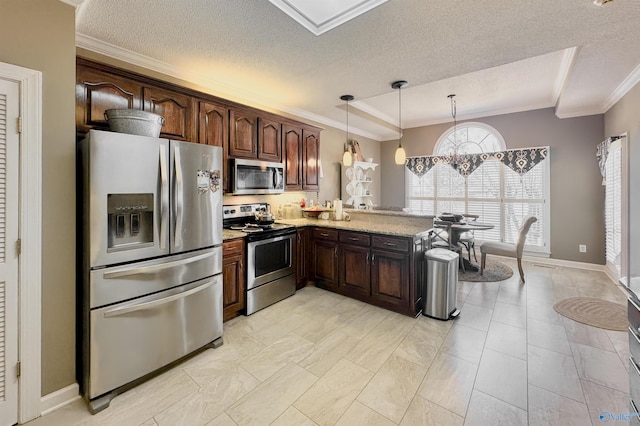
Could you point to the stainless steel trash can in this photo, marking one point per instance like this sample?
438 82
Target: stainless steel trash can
441 284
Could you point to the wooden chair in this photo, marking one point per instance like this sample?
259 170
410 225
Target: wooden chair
506 249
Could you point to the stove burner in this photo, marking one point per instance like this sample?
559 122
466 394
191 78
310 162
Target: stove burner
249 227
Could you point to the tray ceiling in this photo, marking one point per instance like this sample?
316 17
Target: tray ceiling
498 56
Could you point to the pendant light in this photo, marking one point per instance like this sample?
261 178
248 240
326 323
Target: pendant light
347 157
455 159
401 155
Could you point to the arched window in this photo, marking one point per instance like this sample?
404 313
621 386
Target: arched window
493 191
470 138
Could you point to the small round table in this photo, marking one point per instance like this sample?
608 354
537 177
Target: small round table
457 229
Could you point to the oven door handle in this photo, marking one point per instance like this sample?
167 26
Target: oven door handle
125 272
154 303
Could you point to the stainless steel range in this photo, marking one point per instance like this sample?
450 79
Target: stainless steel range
270 254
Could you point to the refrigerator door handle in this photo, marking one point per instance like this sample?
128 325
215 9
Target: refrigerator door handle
154 303
164 198
124 272
179 196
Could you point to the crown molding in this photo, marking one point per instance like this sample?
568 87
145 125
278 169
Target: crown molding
627 84
566 67
579 112
296 13
231 92
74 3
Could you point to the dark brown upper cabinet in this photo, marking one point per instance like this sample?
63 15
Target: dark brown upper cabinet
301 146
292 148
98 91
311 160
214 124
177 109
269 141
243 134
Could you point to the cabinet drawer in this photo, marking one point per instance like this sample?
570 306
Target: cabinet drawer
232 247
633 313
634 380
390 243
355 238
634 345
325 234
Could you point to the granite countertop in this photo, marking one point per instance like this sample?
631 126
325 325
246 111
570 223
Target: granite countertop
398 213
404 230
228 234
398 223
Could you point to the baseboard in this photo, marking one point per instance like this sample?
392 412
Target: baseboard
547 261
59 399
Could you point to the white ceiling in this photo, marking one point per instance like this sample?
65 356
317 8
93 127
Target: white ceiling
497 56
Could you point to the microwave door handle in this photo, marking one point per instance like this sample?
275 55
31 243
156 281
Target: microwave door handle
178 196
277 179
154 303
164 198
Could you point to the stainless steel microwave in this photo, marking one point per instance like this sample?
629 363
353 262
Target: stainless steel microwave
256 177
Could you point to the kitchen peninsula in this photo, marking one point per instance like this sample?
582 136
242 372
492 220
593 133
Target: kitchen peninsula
376 257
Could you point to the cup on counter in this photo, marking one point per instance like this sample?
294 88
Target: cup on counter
345 216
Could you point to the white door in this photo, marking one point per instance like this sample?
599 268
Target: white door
9 161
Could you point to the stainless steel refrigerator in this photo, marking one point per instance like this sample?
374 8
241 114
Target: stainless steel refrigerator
150 287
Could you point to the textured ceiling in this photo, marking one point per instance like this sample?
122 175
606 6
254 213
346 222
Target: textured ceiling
497 55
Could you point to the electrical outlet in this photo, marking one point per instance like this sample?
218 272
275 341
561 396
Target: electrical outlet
583 248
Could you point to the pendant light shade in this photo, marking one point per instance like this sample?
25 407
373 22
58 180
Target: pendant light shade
401 155
347 157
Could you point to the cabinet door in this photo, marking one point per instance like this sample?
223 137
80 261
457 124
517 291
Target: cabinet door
311 160
233 278
177 109
243 134
292 147
98 91
390 279
269 141
302 269
325 256
213 129
355 274
214 124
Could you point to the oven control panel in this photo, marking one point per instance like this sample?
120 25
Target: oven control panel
243 210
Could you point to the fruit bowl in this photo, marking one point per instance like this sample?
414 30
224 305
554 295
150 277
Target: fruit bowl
314 211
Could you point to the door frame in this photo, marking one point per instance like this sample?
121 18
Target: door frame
30 228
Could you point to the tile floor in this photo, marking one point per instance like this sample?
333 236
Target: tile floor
320 358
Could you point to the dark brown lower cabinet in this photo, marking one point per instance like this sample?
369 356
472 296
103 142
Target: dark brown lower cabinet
233 278
302 259
390 279
325 258
377 269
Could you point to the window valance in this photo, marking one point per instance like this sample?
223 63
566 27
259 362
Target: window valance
518 160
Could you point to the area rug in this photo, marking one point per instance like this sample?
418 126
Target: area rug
595 312
493 271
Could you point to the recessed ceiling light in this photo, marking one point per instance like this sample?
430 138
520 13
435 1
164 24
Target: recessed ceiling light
601 2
